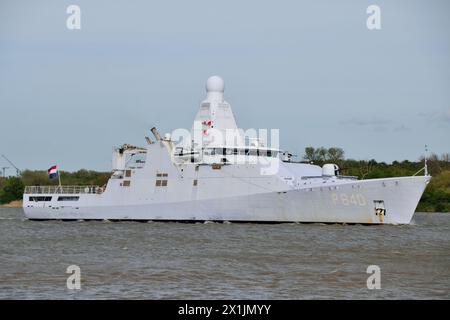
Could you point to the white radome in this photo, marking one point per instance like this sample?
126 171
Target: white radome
215 84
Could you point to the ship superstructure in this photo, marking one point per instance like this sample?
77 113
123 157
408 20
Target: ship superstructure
215 172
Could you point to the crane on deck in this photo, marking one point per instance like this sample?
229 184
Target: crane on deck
4 171
10 162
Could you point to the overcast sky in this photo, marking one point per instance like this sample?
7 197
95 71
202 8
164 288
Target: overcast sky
310 68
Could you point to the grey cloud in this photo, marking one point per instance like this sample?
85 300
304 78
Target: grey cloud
401 128
435 115
365 121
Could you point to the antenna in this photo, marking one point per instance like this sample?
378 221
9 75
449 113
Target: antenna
425 160
149 141
156 133
17 169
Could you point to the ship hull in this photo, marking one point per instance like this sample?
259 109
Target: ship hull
377 201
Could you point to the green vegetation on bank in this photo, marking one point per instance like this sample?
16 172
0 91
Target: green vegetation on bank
436 197
437 194
11 189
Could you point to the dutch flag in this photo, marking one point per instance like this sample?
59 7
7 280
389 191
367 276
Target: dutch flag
52 172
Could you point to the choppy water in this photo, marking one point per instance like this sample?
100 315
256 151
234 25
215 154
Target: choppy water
231 261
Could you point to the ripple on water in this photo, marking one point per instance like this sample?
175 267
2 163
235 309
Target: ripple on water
211 260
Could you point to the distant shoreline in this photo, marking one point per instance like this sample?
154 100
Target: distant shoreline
12 204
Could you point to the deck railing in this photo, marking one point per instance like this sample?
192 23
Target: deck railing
328 177
62 189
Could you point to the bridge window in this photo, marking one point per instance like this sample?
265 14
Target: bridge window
242 152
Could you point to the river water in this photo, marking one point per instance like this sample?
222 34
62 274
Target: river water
156 260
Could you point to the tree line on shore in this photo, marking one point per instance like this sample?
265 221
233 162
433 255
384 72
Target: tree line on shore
436 196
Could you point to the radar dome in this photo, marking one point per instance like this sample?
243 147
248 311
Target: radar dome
215 84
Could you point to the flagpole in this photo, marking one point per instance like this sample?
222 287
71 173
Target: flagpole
59 179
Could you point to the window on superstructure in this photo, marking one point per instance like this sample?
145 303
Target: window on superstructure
161 183
161 180
127 173
38 199
68 198
126 183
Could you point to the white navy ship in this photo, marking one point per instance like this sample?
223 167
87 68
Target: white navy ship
207 177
